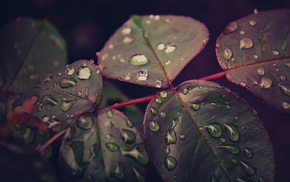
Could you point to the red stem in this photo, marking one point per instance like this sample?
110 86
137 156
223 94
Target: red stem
214 76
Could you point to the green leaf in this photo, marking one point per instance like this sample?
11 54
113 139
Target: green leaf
255 50
72 90
151 50
29 50
103 148
213 136
112 95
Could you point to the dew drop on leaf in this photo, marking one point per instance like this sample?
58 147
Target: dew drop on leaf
45 118
231 28
67 103
233 149
275 52
169 48
260 71
154 111
83 73
284 45
170 137
162 114
154 126
138 59
158 83
284 89
138 153
128 39
112 147
214 129
232 131
128 76
128 136
250 170
126 31
119 171
246 43
227 53
252 22
195 106
265 83
142 75
110 114
158 100
248 152
163 94
69 70
185 91
182 137
161 46
67 82
170 163
285 105
129 123
47 100
85 122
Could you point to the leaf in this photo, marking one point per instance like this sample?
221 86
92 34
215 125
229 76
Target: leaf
103 148
255 51
29 50
151 50
216 137
72 90
113 95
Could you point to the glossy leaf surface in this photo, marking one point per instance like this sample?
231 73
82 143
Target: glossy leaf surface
146 47
29 50
216 137
255 50
103 148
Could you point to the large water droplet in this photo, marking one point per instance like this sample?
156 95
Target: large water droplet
285 105
170 137
154 126
169 48
69 70
248 152
227 53
250 170
284 89
163 94
214 129
260 71
85 122
128 136
67 82
112 147
119 171
83 73
232 131
154 111
47 100
67 103
138 59
139 176
142 75
230 148
195 106
246 43
170 163
265 83
138 153
231 28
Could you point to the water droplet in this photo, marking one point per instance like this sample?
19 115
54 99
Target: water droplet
154 126
284 45
83 73
213 104
195 106
67 82
231 28
170 163
182 137
222 140
67 103
112 147
69 70
243 84
169 48
170 137
260 71
126 31
285 105
158 100
255 56
110 114
142 75
130 124
217 45
108 124
108 136
246 43
138 175
45 118
275 52
167 62
250 170
185 91
236 118
248 152
242 32
128 39
128 76
284 89
232 131
214 129
233 149
128 136
138 153
265 83
47 100
154 111
148 22
33 77
162 114
163 94
252 22
85 122
161 47
158 83
227 53
79 93
261 180
87 92
156 17
282 78
256 11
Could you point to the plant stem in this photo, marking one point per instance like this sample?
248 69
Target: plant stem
214 76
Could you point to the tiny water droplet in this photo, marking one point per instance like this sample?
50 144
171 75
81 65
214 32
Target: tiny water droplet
285 105
161 47
170 137
163 94
243 84
33 77
234 161
195 106
138 153
282 78
174 176
214 129
158 83
227 53
167 62
85 122
158 100
246 43
284 45
108 136
250 170
236 118
154 111
69 70
233 149
142 75
260 71
79 93
169 48
87 92
128 136
170 163
255 56
265 83
129 123
83 73
242 32
182 137
128 76
154 126
45 118
126 31
128 39
111 46
231 28
232 131
112 147
248 152
110 114
162 114
213 104
222 140
252 22
275 52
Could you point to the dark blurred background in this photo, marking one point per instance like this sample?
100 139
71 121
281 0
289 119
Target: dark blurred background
87 24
